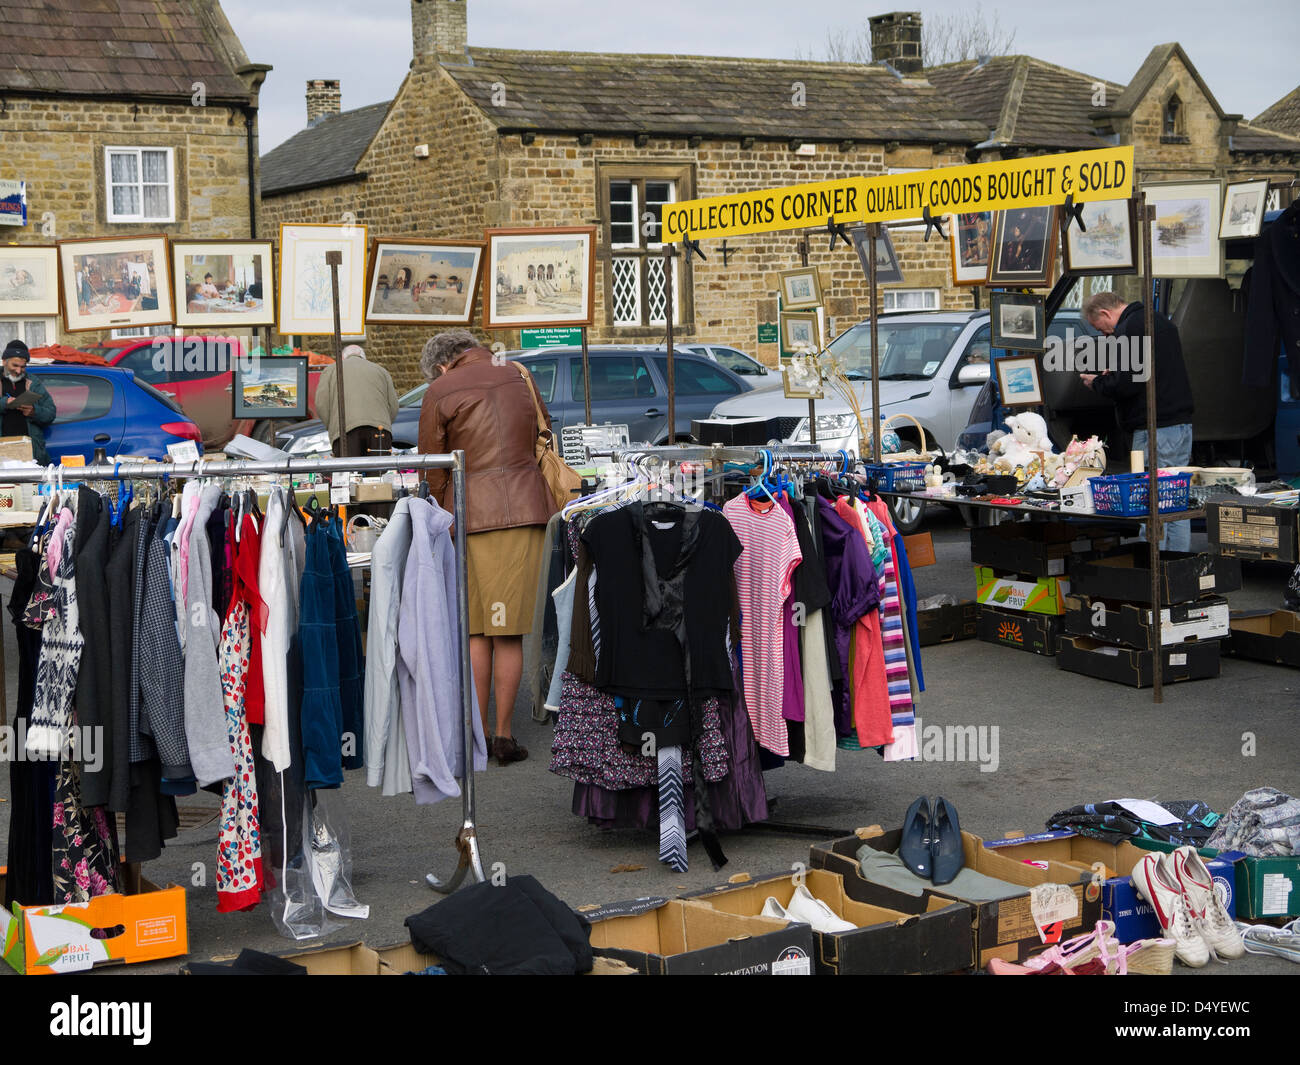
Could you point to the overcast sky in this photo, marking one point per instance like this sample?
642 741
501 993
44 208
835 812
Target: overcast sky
1247 59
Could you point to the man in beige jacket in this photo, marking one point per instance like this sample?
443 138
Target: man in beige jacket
371 402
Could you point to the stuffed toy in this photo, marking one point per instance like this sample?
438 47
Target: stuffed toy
1021 449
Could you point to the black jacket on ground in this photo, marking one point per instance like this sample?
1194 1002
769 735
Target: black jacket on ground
1173 389
1273 310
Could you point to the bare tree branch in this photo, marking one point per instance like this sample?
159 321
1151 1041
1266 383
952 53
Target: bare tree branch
945 39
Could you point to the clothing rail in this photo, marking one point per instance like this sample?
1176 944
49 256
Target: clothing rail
470 862
724 453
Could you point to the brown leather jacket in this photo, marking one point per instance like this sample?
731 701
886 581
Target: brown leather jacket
487 410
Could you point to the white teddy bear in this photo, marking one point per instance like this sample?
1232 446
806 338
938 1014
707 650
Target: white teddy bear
1028 437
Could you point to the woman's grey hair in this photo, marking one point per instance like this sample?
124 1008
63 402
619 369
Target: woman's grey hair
440 350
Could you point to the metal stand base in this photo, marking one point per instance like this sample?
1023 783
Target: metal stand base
470 863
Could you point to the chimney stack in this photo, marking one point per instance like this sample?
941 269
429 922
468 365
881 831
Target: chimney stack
324 98
896 40
438 31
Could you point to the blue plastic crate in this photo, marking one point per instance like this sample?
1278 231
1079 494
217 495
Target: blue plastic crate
1127 493
897 476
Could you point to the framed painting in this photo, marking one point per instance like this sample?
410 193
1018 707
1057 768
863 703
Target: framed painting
1017 321
1024 247
423 282
1243 209
305 303
119 283
222 283
971 237
29 281
1185 231
799 332
888 272
801 289
539 277
1110 243
802 379
1019 381
274 387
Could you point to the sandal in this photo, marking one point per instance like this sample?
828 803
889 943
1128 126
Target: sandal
506 750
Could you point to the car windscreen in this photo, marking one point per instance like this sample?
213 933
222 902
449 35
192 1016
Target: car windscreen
414 397
908 351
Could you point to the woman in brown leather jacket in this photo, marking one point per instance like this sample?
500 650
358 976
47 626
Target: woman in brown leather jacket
485 407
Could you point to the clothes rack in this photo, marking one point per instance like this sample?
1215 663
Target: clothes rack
470 861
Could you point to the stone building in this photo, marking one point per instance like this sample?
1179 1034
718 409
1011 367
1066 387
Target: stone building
125 118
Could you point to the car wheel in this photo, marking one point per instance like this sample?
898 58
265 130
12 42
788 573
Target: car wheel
908 514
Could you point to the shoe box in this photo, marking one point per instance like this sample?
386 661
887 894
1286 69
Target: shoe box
1130 624
1253 530
1004 928
1265 636
1038 549
1013 628
886 942
943 624
1125 574
1198 660
1263 887
1109 867
671 937
999 588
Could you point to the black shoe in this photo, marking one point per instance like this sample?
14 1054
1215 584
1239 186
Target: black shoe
914 847
947 856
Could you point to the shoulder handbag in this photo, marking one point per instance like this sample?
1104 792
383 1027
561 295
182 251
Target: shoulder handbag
563 481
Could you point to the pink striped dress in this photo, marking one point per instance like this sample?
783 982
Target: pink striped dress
894 639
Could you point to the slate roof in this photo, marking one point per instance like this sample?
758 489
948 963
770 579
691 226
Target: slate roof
670 95
1251 138
323 154
1283 116
136 48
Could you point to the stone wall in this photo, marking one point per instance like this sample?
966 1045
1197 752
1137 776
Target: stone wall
1201 152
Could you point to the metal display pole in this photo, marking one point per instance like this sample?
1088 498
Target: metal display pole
586 379
334 259
668 319
1146 215
873 234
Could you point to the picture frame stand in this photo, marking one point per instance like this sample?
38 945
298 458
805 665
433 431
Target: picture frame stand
334 259
586 376
1146 214
668 323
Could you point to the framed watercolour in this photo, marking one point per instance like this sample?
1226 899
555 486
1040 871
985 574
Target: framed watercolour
1110 245
273 387
799 332
1243 209
802 379
1019 381
1024 247
305 302
971 237
222 283
29 281
423 282
801 289
120 283
539 277
1017 321
888 272
1184 234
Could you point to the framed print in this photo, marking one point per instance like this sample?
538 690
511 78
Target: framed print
1243 209
271 388
888 272
222 283
305 303
120 283
971 237
1024 247
423 282
801 289
1184 235
1019 381
29 281
802 379
539 277
1017 321
1110 245
799 332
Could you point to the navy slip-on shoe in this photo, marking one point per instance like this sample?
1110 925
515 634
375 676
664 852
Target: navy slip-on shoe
914 847
947 857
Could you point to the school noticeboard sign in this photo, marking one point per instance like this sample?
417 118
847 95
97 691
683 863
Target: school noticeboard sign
1034 181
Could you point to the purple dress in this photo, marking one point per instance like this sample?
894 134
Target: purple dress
854 592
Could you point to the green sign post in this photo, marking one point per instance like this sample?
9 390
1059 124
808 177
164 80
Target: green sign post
768 333
549 338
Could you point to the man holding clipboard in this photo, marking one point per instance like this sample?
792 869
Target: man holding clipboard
28 408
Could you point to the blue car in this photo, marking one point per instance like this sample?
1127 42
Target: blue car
104 407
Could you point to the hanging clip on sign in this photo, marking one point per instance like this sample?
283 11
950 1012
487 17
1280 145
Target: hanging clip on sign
837 229
692 247
1034 181
933 223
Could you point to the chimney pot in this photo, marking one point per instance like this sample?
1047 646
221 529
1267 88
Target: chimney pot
896 40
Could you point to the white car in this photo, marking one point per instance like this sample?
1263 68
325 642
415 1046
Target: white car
737 362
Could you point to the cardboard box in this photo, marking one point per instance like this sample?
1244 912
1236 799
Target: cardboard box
732 432
1265 636
1110 866
146 924
1037 549
1043 596
1126 665
1263 887
1004 928
16 448
920 550
886 941
1036 633
373 490
943 624
1125 575
670 937
1253 530
1114 622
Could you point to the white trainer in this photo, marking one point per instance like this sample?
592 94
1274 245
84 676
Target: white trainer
1204 904
806 907
1166 897
772 908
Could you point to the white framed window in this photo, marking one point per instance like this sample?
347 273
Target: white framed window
34 332
635 202
910 299
140 184
145 331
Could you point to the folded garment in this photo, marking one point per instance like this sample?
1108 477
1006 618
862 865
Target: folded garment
249 963
1264 823
1110 822
888 870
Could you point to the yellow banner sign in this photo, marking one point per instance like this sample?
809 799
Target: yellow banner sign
1035 181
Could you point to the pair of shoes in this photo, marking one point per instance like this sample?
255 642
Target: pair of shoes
1091 967
505 750
1096 953
931 844
1281 942
1181 891
806 908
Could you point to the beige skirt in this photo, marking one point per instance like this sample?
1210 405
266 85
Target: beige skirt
504 566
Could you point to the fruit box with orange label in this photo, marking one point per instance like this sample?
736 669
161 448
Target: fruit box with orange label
145 924
1046 595
1035 633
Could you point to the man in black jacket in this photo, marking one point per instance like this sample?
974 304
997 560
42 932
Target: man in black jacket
1126 386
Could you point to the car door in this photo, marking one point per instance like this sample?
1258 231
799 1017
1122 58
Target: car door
961 397
623 392
90 412
699 385
545 371
740 364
